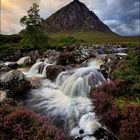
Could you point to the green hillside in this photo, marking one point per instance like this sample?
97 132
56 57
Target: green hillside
90 38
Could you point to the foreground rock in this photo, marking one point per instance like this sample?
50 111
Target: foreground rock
16 83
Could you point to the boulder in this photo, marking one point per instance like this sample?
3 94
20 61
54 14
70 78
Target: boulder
66 58
36 82
24 60
16 82
52 71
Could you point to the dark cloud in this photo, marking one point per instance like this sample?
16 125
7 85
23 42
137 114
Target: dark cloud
122 16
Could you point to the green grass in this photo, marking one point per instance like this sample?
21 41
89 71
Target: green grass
11 43
92 37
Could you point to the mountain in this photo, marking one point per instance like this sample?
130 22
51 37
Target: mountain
74 17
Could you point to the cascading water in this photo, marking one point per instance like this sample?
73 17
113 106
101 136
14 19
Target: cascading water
66 101
80 82
35 69
44 71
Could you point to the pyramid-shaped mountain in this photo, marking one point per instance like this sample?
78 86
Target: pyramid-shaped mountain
74 17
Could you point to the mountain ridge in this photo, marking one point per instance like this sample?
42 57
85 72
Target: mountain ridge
74 17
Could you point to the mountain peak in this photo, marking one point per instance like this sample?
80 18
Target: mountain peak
74 17
75 0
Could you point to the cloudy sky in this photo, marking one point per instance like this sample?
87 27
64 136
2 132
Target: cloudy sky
122 16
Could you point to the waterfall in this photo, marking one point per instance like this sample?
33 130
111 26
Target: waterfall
80 82
35 67
44 71
34 70
66 101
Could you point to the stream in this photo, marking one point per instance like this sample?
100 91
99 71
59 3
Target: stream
66 101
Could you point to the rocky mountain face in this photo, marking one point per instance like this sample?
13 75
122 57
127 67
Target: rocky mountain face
74 17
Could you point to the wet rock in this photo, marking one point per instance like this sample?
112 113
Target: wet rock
36 83
52 71
16 82
66 58
104 134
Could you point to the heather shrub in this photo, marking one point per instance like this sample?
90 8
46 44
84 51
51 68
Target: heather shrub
130 124
115 88
101 101
111 118
107 87
125 124
104 106
20 123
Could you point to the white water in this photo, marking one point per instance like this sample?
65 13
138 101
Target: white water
44 71
33 72
80 82
66 101
122 54
35 67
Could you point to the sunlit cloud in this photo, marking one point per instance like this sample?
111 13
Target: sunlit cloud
11 12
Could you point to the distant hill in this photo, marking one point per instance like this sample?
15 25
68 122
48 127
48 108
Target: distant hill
74 17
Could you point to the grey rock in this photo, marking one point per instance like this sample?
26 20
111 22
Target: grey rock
16 82
53 71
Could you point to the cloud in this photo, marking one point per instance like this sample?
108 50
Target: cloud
11 12
122 16
126 29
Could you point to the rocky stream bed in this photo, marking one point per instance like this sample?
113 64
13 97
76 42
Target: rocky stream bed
57 83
